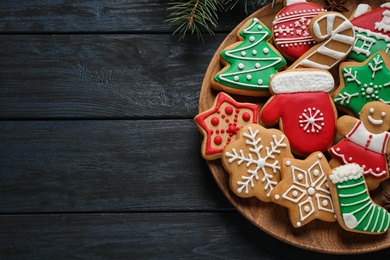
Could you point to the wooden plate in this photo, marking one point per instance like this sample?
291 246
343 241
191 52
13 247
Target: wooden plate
269 217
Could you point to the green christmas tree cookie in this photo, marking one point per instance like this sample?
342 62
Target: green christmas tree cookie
249 63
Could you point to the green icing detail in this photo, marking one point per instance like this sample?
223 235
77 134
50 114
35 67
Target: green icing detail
364 83
359 212
367 43
252 62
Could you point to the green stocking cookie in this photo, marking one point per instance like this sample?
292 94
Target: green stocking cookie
354 208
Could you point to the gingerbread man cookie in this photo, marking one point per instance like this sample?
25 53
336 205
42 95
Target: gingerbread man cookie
253 161
365 143
304 191
220 124
302 106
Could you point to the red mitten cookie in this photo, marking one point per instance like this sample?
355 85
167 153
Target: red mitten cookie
220 124
304 109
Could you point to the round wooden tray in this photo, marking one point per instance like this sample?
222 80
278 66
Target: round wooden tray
273 219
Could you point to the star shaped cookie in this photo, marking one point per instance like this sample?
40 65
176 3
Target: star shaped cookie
220 124
364 82
304 190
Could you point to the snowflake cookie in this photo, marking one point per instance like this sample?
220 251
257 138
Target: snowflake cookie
304 190
220 124
361 83
302 106
253 161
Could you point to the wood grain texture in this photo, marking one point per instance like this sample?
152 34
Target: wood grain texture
317 236
101 76
88 16
104 166
208 235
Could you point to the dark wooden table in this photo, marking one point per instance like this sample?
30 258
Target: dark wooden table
99 153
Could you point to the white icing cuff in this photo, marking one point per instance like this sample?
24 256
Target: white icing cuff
386 5
295 81
346 172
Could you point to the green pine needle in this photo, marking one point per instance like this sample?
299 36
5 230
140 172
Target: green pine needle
196 17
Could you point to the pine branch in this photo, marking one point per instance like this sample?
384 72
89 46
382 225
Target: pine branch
196 17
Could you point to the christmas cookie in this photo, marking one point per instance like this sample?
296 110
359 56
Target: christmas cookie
355 210
365 143
372 29
291 28
302 106
220 124
249 63
335 35
364 82
253 161
304 190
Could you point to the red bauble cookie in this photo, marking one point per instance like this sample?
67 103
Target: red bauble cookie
290 28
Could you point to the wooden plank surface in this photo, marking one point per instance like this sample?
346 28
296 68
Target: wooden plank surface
101 76
99 153
209 235
56 16
104 166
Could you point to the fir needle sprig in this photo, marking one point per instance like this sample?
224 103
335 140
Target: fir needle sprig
196 17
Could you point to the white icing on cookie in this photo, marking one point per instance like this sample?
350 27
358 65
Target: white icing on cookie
346 172
302 81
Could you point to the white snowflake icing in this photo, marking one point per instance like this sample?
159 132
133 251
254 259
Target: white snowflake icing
311 120
263 164
309 190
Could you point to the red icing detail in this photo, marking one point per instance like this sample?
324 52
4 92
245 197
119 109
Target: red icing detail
205 116
232 129
367 21
229 110
246 117
291 28
215 121
302 142
218 140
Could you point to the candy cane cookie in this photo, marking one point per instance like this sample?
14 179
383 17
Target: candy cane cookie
336 37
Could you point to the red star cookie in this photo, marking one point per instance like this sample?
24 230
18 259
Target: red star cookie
220 124
304 190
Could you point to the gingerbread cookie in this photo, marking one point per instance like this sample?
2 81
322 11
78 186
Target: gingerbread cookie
302 106
372 29
304 191
355 210
291 28
220 124
253 161
335 35
364 82
249 63
365 143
